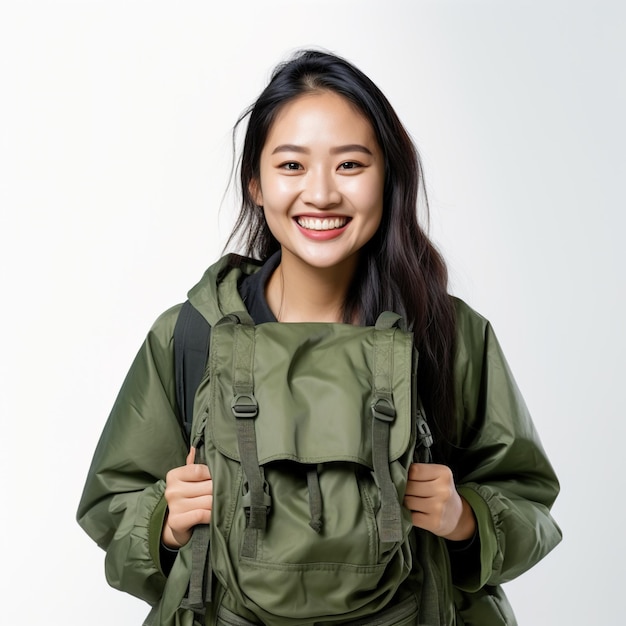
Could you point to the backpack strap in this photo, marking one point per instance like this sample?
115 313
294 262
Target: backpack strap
256 500
199 591
191 348
384 414
423 449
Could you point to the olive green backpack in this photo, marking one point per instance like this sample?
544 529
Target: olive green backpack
308 431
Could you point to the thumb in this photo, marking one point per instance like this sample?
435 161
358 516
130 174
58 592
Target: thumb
191 457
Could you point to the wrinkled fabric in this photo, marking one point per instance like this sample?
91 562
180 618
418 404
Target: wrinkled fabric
500 468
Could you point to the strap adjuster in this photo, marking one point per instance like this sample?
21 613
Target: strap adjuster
245 406
384 410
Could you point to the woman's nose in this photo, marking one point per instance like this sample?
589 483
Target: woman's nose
321 190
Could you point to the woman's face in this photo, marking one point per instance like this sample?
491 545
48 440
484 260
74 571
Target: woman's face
321 181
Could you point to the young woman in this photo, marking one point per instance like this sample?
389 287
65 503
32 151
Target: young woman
330 182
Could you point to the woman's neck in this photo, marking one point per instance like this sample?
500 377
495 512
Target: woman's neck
298 292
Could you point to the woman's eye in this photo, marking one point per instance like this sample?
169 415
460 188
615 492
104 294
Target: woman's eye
292 166
349 165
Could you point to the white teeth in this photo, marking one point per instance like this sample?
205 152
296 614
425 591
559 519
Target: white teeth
328 223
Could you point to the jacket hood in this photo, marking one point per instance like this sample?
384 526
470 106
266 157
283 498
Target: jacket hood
216 294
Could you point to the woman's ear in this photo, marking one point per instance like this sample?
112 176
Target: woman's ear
255 191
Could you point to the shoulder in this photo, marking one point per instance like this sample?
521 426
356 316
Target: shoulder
167 319
472 328
475 335
478 353
481 371
162 330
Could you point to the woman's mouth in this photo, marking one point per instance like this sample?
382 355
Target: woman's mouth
321 223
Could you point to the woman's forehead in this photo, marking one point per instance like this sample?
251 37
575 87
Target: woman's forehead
320 117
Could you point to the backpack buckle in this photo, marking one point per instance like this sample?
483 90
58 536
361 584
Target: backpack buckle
423 431
246 498
245 406
384 410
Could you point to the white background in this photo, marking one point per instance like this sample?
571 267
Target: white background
115 152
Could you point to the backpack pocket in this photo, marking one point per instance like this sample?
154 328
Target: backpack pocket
404 613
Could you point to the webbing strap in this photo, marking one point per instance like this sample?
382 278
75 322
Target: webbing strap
200 580
315 498
245 409
199 592
191 347
384 414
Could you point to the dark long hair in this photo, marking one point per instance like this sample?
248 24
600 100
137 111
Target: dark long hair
399 268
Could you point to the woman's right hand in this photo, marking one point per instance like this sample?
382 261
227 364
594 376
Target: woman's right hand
189 496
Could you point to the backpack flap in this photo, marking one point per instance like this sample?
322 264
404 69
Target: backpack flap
314 386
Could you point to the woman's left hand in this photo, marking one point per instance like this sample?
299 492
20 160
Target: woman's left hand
436 505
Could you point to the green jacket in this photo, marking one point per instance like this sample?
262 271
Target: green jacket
501 469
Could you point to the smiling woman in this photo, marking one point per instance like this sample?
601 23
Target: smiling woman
388 533
321 188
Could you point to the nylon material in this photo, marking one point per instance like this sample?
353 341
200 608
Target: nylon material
383 364
225 569
243 372
388 319
199 554
233 571
401 613
298 383
316 503
226 501
221 378
228 618
504 400
488 605
389 519
224 619
349 548
370 495
431 559
512 545
345 536
343 595
247 443
398 470
168 610
214 299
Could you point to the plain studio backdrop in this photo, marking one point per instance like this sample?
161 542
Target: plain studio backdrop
115 153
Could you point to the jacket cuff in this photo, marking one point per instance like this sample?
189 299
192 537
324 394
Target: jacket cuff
155 530
469 575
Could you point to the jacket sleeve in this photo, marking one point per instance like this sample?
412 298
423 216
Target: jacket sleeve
122 506
500 465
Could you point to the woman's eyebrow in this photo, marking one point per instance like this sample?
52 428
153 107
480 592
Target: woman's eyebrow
351 147
290 147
